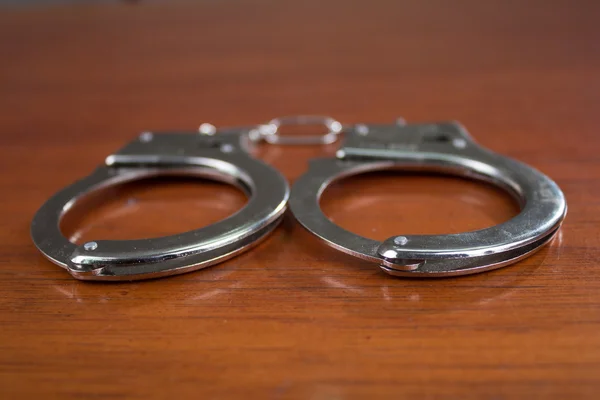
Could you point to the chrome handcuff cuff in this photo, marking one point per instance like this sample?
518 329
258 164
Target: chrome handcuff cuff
435 147
221 157
441 148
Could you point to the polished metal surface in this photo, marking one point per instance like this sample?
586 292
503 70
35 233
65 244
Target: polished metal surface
217 155
440 148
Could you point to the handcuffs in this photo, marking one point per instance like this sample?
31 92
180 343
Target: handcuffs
434 147
221 157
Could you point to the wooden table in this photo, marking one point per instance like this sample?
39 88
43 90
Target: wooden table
294 318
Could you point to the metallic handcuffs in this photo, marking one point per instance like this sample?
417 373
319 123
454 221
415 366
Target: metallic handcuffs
221 157
436 147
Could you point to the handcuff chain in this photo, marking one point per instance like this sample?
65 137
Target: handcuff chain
269 132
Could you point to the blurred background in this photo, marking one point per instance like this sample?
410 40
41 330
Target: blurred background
110 68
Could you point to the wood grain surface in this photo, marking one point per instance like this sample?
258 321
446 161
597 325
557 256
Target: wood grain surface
293 318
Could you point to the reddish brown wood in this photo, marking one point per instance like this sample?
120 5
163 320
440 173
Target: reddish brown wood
293 318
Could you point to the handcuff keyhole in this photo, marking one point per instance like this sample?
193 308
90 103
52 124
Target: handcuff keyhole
437 138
